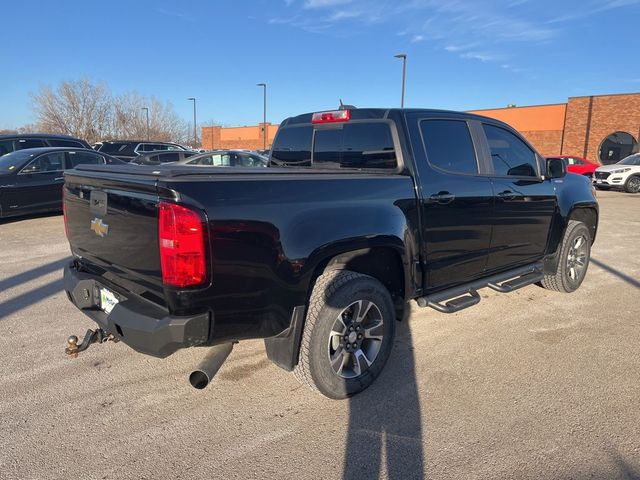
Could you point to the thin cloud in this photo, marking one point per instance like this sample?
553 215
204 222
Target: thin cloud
480 30
179 15
593 9
311 4
483 57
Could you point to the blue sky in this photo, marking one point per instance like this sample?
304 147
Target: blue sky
462 54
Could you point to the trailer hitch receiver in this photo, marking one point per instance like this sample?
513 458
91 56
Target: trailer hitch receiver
98 335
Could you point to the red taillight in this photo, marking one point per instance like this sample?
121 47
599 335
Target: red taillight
182 254
331 117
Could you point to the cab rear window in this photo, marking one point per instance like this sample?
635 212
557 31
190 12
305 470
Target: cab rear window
292 146
361 145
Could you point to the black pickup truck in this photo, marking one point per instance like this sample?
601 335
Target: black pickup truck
360 211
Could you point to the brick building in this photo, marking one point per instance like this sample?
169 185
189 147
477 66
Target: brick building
602 128
250 137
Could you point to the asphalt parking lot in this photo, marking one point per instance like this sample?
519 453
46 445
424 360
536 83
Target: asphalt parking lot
528 385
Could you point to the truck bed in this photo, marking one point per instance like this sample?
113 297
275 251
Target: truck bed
266 234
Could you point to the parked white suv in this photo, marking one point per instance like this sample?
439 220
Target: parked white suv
622 175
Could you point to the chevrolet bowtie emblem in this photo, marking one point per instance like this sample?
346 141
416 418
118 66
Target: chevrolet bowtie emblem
101 229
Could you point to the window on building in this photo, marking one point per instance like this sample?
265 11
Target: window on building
617 146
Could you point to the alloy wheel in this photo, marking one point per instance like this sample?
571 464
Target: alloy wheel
633 185
355 339
577 258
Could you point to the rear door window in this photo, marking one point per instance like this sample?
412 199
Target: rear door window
168 157
60 142
214 160
113 147
152 147
510 156
6 146
449 146
246 160
51 162
85 158
30 143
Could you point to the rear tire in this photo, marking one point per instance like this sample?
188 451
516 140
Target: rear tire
573 261
348 334
632 185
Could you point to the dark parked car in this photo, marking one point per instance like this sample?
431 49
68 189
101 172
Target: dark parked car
156 158
366 210
10 143
228 158
31 180
127 150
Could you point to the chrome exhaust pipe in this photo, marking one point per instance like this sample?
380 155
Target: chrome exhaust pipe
209 366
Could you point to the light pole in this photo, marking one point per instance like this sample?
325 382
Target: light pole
146 109
403 56
195 132
264 116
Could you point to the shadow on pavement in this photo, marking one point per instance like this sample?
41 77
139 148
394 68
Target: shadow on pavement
622 276
20 218
384 420
32 274
27 299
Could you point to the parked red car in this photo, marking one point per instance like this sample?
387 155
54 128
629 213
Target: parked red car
578 165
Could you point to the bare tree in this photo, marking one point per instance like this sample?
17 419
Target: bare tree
77 107
89 110
129 121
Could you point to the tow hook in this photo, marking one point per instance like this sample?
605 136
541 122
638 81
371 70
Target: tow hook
92 336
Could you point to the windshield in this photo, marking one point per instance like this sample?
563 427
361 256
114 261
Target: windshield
14 160
631 160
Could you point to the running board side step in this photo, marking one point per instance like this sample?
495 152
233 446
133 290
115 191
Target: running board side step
517 283
464 296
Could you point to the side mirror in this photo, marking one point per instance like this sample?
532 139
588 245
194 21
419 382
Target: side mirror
556 168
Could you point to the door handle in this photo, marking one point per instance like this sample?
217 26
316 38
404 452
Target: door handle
442 198
59 178
507 195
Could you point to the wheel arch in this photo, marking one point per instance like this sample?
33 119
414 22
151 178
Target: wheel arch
588 215
585 213
384 259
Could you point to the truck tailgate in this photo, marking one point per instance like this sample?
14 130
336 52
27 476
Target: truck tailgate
112 224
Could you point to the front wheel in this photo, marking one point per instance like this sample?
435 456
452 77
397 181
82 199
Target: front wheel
632 185
348 334
573 261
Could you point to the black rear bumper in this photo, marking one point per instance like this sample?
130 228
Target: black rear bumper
147 328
